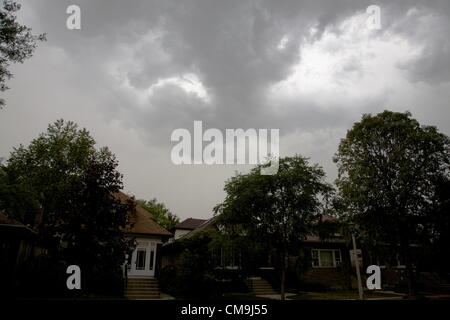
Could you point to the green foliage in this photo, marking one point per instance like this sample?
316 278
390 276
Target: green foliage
193 275
439 229
388 165
276 210
17 199
17 43
71 189
388 168
160 213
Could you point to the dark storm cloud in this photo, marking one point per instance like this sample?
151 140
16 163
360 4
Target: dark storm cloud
230 45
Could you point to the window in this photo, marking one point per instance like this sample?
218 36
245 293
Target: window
315 258
326 258
337 257
140 259
152 255
152 259
226 258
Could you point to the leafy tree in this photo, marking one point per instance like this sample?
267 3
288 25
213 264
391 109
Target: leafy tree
275 210
160 213
17 199
439 228
79 219
388 167
17 43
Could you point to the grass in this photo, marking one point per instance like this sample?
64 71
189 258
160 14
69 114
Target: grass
241 296
327 295
340 295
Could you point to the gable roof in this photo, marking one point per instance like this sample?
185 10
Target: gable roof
205 225
143 222
190 224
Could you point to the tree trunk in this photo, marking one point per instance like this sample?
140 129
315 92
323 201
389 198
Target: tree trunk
283 280
409 269
283 276
410 275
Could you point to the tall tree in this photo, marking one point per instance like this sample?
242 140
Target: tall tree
438 236
388 167
78 217
159 211
17 43
276 210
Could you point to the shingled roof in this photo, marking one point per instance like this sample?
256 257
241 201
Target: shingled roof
190 224
142 220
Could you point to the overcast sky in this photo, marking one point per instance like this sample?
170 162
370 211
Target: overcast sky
139 69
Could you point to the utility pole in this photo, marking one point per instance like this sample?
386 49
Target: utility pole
358 274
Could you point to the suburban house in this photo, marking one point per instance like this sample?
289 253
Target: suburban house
148 236
186 226
171 250
142 265
329 262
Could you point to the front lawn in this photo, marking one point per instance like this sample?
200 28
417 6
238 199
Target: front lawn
342 295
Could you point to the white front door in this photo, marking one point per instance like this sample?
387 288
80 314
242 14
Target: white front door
143 259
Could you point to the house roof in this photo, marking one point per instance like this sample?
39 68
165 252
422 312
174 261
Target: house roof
309 238
204 224
190 224
143 222
200 228
317 239
6 221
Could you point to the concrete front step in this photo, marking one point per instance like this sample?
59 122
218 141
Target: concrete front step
141 293
143 297
142 280
142 289
142 285
262 289
260 286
